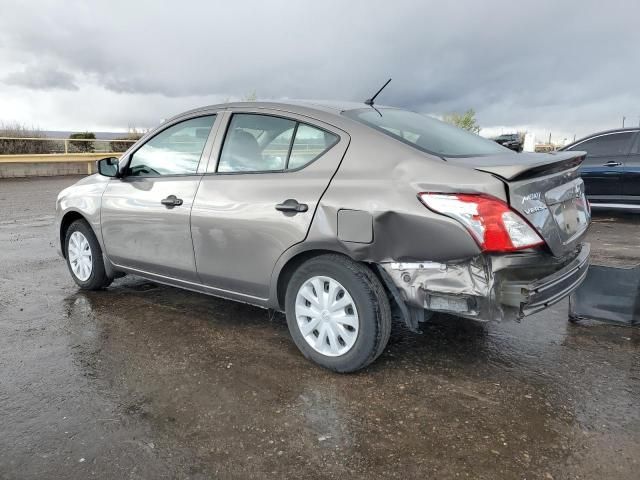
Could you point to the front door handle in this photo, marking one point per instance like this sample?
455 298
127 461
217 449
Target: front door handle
292 205
612 163
171 201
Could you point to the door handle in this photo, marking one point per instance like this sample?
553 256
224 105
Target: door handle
292 205
171 201
612 163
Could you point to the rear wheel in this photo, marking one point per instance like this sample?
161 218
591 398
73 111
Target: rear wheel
84 257
338 313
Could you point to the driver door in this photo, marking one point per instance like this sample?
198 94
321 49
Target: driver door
145 214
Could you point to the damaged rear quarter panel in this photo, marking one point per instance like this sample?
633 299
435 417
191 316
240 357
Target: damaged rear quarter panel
382 179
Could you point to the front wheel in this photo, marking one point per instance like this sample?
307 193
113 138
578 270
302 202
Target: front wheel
338 313
84 257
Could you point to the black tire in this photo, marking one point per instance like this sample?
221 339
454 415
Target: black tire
370 300
98 278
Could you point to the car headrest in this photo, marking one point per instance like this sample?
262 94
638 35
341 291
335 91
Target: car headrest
245 145
202 132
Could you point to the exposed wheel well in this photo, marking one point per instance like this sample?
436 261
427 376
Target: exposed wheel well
67 220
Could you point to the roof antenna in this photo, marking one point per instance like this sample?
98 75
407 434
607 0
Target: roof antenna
370 101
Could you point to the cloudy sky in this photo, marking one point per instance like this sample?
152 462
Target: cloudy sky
569 67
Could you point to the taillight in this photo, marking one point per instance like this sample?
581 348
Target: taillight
493 225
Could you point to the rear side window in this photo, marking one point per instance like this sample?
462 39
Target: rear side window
610 144
174 151
263 143
309 144
426 133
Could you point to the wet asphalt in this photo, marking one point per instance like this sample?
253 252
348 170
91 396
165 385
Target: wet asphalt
146 381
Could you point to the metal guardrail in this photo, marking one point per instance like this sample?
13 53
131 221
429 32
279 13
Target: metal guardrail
35 156
56 157
46 145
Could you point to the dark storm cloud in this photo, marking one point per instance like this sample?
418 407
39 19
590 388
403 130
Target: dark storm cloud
41 78
573 64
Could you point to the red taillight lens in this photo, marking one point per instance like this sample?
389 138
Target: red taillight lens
491 222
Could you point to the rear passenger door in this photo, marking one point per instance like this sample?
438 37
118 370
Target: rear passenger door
603 169
259 195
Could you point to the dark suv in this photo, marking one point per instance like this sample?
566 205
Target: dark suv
611 170
510 140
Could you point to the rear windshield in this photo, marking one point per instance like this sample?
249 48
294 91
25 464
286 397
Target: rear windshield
426 133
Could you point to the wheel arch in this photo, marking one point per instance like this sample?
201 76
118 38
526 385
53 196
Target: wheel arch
291 260
68 218
287 265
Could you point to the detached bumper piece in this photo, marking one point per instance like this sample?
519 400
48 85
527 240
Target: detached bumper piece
609 294
531 297
487 287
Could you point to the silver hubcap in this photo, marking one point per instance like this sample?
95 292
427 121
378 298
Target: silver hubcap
80 257
327 316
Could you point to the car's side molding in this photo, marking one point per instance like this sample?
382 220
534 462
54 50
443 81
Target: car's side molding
193 286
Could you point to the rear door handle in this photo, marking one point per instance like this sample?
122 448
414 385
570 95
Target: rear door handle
292 205
612 163
171 201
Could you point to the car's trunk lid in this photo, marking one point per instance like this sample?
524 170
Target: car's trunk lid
545 189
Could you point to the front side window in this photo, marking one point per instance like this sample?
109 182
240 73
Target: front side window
174 151
426 133
611 144
264 143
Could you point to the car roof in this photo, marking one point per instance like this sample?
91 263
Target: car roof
603 132
304 107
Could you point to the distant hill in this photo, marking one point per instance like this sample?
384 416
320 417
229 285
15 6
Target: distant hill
99 135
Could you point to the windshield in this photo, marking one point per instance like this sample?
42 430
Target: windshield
426 133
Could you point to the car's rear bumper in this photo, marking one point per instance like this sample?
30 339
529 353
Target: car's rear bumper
489 287
531 296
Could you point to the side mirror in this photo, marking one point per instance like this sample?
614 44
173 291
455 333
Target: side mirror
108 167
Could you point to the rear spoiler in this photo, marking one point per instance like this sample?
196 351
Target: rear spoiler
521 166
